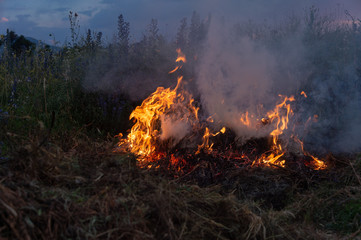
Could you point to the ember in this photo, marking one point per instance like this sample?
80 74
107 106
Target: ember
167 127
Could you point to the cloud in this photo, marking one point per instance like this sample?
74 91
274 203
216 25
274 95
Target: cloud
39 18
101 15
4 19
51 14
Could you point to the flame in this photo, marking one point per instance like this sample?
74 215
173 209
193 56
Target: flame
276 152
181 58
175 69
141 138
176 107
210 119
315 118
316 164
245 120
206 145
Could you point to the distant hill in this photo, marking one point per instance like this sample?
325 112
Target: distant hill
39 43
36 42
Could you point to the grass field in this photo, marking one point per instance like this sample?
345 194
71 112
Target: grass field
60 112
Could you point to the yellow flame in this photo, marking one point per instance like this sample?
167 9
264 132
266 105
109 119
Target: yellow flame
206 145
273 158
181 57
245 119
143 139
316 164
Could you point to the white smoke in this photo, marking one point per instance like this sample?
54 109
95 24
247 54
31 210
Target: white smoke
235 78
240 73
175 129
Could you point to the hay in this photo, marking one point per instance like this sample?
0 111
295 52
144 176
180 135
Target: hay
77 188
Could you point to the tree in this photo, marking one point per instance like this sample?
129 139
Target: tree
98 41
123 35
152 39
182 34
194 29
152 31
13 42
198 32
21 44
9 38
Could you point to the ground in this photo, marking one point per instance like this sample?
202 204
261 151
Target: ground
79 188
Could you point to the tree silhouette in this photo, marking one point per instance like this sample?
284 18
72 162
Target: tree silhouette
182 34
123 35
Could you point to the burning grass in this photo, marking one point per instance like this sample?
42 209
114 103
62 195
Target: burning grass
170 117
80 189
180 173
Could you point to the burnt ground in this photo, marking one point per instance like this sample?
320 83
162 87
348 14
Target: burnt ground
75 187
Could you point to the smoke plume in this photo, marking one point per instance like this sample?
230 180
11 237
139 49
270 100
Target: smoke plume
234 78
245 72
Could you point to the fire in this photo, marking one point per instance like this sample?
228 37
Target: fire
144 135
316 164
206 145
175 69
168 116
165 104
274 157
245 120
181 58
304 94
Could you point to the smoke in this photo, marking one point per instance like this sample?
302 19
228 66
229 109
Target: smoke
135 78
245 72
336 100
235 78
175 129
244 67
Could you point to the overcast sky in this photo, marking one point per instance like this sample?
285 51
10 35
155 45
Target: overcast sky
39 18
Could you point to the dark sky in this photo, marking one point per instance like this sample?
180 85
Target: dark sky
39 18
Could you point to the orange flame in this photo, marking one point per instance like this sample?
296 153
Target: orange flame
175 69
144 136
181 58
245 119
142 139
304 94
177 104
281 124
206 145
317 164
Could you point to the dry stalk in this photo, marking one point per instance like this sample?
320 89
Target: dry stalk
354 171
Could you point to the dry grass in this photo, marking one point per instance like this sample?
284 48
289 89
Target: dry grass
77 188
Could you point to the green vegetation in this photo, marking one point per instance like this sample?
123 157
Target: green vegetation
61 108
